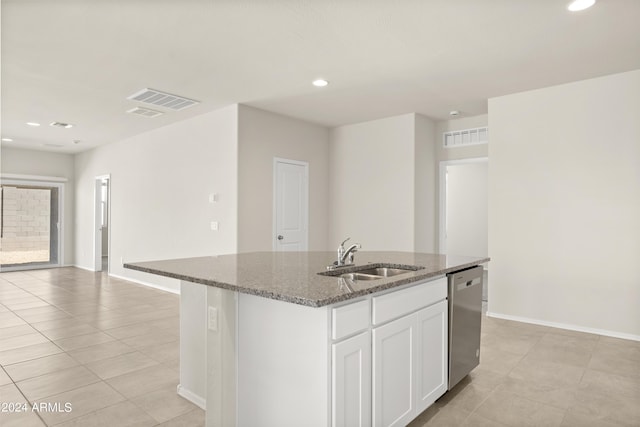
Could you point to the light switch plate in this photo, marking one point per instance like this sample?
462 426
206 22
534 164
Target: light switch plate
213 319
214 225
213 197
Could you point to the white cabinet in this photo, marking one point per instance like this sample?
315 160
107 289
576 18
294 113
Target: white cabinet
432 360
409 358
394 353
351 382
376 360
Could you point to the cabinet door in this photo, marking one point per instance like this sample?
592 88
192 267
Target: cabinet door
431 361
351 382
394 353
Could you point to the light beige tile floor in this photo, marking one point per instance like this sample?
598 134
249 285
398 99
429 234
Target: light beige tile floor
532 375
110 348
107 346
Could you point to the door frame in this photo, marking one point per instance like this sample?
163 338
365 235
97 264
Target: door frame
442 179
97 242
274 227
44 181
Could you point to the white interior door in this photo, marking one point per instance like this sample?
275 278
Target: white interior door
464 207
291 200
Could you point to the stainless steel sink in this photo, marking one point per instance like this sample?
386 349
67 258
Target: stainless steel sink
371 272
384 271
360 276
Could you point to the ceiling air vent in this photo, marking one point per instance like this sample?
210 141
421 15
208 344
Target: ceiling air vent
145 112
161 99
461 138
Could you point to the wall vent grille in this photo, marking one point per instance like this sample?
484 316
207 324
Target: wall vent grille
461 138
162 99
145 112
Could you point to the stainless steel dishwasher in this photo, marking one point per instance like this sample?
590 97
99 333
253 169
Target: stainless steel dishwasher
465 316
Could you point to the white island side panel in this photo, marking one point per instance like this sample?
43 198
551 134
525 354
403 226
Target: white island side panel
193 343
283 364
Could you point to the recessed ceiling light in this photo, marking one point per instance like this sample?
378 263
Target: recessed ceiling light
61 125
7 139
320 83
454 113
577 5
34 124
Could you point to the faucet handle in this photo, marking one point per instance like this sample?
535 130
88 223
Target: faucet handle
344 241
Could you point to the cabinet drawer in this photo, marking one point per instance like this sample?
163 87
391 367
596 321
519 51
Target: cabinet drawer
349 319
395 304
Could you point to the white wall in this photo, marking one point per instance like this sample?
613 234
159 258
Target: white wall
564 204
160 186
261 137
372 184
382 184
467 210
42 163
426 190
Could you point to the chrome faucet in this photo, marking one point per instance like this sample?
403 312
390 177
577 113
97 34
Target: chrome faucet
345 256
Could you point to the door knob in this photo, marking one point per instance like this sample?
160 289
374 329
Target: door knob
280 237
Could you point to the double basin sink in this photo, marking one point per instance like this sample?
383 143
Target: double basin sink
371 273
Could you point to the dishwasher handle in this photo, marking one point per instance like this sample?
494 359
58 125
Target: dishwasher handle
469 283
466 278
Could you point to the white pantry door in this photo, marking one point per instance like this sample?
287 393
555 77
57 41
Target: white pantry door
291 205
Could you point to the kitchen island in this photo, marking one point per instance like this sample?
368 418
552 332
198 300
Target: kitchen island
275 339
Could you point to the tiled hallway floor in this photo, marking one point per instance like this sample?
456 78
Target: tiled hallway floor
107 346
110 348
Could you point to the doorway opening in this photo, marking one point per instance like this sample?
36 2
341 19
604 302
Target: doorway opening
464 209
102 210
31 217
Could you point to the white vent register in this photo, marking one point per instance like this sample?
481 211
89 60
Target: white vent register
162 99
460 138
144 112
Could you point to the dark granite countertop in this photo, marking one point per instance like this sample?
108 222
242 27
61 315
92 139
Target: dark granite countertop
293 276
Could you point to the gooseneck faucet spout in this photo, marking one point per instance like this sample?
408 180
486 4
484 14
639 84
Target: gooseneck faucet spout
345 256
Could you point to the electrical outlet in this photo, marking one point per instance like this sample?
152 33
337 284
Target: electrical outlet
214 225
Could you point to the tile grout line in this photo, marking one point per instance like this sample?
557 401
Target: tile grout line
25 398
97 410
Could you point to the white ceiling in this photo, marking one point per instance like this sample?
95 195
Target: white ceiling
76 61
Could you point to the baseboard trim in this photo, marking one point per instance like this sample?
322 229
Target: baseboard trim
83 268
141 282
192 397
566 326
27 268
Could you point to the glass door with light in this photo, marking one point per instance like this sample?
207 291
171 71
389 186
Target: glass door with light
30 225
